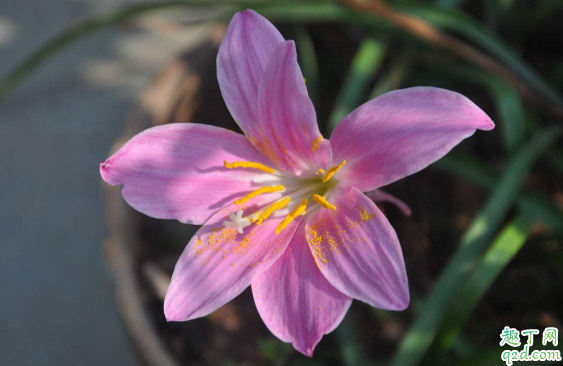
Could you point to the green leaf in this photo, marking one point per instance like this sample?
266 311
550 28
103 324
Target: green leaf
307 61
393 78
500 253
511 113
450 3
350 348
453 20
555 153
472 243
531 202
367 61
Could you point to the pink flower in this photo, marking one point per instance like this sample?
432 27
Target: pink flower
282 208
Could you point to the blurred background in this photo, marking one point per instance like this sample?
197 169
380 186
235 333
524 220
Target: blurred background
82 276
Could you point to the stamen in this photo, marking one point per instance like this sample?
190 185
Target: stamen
333 170
323 202
248 164
292 215
259 191
320 171
278 205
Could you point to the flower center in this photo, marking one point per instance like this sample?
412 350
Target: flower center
297 195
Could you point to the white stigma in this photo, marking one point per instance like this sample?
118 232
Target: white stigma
237 221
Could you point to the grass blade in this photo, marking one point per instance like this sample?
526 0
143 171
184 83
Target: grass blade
367 61
474 240
479 34
511 113
531 202
555 153
450 3
500 253
347 337
307 61
392 79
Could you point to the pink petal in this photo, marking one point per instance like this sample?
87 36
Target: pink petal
401 133
289 133
379 196
357 250
248 44
294 299
176 171
218 263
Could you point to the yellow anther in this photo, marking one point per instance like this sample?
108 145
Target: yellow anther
259 191
317 143
248 164
292 215
333 170
278 205
320 171
323 202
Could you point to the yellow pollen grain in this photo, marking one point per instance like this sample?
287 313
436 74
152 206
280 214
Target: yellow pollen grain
332 171
323 202
365 215
248 164
258 192
212 236
320 171
317 143
292 215
316 243
270 209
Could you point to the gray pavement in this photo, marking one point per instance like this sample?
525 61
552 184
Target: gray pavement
56 305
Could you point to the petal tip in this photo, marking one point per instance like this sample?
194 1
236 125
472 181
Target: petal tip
306 351
104 170
170 312
247 12
487 125
403 305
403 301
247 15
292 48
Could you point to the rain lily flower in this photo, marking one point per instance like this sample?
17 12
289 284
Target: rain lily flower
282 207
